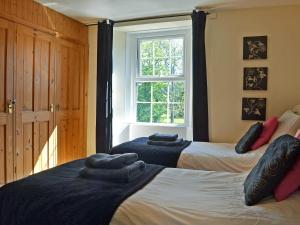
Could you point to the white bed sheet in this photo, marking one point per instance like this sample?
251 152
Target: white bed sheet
194 197
218 157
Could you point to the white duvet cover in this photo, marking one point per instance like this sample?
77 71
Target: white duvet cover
193 197
218 157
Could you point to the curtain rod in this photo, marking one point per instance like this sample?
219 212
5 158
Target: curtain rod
147 18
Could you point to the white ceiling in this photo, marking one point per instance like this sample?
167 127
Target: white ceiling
89 11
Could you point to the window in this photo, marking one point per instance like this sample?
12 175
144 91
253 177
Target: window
159 65
160 79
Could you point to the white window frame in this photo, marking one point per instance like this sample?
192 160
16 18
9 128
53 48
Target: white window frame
133 64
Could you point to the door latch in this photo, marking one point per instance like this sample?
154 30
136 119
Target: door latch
11 106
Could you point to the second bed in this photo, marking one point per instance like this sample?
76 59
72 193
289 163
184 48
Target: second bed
209 156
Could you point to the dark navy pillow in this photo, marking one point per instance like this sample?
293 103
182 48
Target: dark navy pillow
271 169
246 142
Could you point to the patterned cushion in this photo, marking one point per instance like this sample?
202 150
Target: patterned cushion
271 169
246 142
291 182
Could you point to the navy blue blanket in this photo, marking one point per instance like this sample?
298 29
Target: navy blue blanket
159 155
60 197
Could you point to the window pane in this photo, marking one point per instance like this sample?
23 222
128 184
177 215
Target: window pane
162 67
176 112
161 57
146 49
143 112
160 91
177 47
164 110
144 92
147 67
177 91
159 114
177 66
162 48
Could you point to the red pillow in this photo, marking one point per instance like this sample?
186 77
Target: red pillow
290 183
269 129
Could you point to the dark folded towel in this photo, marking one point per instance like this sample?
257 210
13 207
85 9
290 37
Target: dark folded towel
106 161
123 175
163 137
177 142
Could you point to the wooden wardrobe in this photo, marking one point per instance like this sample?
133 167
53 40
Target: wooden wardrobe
43 77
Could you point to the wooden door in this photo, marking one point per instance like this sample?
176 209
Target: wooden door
69 115
35 83
7 39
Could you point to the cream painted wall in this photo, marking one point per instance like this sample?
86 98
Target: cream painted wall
224 36
91 123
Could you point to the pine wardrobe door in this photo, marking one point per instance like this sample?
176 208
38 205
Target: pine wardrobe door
70 106
35 146
7 39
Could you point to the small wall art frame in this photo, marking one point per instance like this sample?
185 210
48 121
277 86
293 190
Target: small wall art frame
255 78
254 109
255 47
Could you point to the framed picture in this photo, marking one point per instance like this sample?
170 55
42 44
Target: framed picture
254 109
255 78
255 47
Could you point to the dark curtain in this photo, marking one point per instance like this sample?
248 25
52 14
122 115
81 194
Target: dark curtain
200 102
104 87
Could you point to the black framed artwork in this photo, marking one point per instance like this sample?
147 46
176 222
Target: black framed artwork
255 78
254 109
255 47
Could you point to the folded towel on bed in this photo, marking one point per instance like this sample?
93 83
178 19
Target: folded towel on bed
163 137
123 175
106 161
177 142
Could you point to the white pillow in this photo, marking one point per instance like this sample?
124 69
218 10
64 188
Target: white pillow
289 123
296 109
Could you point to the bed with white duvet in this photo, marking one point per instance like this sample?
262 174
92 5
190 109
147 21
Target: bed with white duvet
218 157
162 196
222 156
190 197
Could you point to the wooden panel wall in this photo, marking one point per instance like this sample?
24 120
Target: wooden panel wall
44 66
31 13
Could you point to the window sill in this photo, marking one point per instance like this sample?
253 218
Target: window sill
158 125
